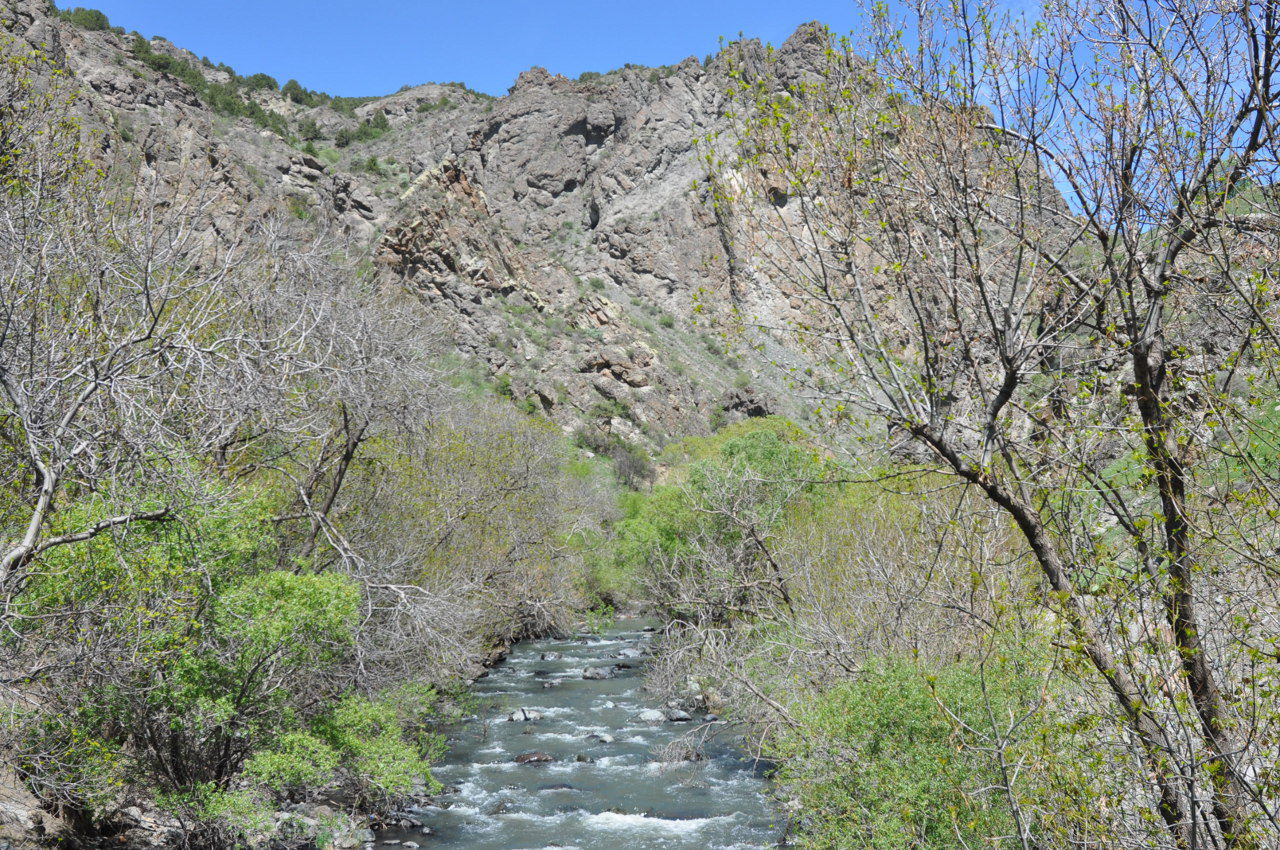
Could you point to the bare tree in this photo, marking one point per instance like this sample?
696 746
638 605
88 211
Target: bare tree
1099 367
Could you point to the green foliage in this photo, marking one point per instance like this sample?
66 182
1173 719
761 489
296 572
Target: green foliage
368 737
435 105
224 98
600 618
502 386
87 19
611 409
299 208
631 463
222 653
299 760
309 130
260 82
694 449
878 764
366 131
764 464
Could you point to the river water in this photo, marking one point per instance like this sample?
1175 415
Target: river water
607 786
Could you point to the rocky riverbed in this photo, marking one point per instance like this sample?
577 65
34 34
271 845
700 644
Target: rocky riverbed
565 750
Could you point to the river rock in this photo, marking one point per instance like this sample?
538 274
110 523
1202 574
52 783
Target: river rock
651 715
583 758
602 737
535 757
676 715
630 652
597 673
524 715
552 656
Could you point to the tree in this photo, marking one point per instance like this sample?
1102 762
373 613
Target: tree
87 19
1100 368
294 91
100 325
260 82
309 130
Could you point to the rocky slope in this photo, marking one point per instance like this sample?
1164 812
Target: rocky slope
556 233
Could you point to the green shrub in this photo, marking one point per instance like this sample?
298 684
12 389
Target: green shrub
86 19
309 130
433 105
261 82
876 763
370 740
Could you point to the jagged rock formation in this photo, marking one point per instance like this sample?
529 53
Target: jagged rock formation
555 234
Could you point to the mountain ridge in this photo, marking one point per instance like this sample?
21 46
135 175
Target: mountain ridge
558 235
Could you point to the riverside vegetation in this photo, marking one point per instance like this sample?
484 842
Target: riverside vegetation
1013 585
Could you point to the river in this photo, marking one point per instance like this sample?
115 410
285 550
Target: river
606 785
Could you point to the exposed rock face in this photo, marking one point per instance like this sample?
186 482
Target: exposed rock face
555 234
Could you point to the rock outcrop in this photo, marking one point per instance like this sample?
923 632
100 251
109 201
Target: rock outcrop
559 236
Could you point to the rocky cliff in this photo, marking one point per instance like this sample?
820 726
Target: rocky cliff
557 235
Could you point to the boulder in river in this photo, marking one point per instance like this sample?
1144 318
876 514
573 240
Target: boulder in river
535 757
651 715
630 652
602 737
597 673
676 715
552 656
524 715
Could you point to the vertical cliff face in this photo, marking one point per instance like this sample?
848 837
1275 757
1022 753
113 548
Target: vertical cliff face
557 235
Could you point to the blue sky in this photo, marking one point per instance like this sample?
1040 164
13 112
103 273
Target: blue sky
372 47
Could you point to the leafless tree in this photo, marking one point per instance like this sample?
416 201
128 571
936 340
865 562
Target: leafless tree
1042 252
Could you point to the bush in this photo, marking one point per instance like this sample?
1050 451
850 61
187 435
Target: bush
261 82
876 763
631 464
431 106
309 130
86 19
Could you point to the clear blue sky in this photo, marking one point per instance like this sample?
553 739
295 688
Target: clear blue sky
377 46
